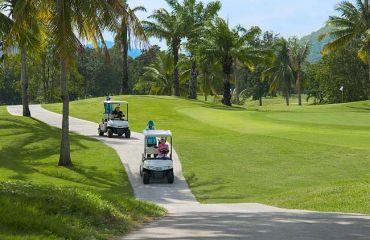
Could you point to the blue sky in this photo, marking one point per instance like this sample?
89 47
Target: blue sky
286 17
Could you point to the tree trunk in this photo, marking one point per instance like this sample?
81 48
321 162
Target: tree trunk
260 99
299 87
65 155
176 82
24 83
51 86
205 87
193 80
124 46
287 97
44 78
237 84
368 59
227 96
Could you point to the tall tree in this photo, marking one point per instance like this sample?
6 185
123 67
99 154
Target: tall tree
210 74
281 73
157 78
67 18
19 24
247 52
196 16
129 32
298 57
226 46
354 23
169 26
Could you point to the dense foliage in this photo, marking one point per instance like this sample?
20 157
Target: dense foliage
342 68
191 66
93 76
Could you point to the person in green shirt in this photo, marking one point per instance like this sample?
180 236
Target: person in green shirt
151 141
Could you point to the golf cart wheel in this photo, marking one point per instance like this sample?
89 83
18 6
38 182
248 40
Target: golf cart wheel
110 133
120 134
101 133
128 133
141 171
146 177
170 177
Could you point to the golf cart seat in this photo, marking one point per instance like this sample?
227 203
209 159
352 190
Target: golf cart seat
152 150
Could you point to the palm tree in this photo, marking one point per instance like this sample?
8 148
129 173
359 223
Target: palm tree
169 26
226 46
298 56
21 26
196 16
281 73
157 78
69 21
353 23
218 45
211 76
129 31
246 52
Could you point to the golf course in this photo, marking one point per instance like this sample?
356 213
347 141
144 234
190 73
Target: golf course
184 120
309 157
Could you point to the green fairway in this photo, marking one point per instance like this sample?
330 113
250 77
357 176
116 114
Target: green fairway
91 200
311 157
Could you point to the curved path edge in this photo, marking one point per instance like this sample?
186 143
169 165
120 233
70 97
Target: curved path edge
187 219
129 151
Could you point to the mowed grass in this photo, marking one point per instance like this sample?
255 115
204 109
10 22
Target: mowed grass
310 157
39 200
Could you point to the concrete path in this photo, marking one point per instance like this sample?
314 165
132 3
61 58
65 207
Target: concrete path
187 219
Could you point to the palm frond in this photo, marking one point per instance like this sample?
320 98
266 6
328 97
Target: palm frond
337 43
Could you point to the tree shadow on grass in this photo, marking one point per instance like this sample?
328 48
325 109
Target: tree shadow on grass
28 144
210 187
37 142
359 108
221 107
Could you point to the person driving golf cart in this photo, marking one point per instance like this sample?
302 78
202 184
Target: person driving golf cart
163 148
117 113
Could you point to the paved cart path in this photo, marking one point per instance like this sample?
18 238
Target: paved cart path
187 219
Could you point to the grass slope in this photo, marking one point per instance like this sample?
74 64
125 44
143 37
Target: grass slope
314 157
39 200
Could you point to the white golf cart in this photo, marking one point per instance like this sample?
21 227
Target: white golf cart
113 123
156 164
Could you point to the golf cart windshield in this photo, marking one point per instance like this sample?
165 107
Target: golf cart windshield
152 151
109 107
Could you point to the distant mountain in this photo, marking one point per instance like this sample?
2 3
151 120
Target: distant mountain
316 46
134 53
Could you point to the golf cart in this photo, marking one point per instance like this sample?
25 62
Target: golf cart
114 123
156 163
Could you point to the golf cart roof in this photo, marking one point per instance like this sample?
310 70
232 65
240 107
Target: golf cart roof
157 133
116 102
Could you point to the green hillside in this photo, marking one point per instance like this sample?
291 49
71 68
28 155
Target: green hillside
315 54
